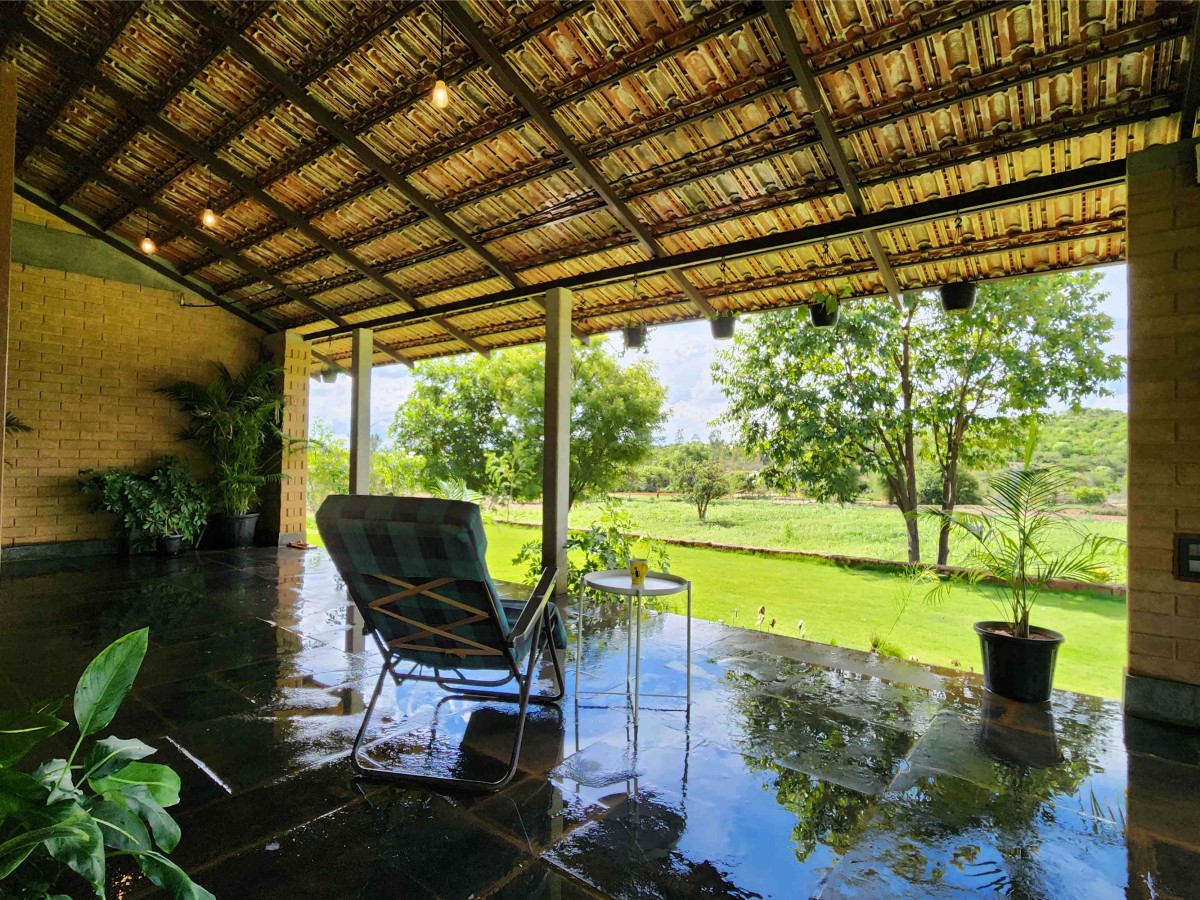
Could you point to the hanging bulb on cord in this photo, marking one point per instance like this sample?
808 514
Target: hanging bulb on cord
148 246
208 218
440 95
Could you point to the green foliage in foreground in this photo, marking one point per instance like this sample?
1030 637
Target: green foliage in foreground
77 815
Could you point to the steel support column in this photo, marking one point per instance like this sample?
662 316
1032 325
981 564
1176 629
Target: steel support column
556 446
360 411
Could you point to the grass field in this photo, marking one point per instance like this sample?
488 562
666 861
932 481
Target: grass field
846 605
852 530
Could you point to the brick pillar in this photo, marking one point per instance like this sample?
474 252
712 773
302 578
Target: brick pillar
285 506
1163 252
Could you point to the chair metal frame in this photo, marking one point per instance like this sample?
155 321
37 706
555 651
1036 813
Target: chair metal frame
534 625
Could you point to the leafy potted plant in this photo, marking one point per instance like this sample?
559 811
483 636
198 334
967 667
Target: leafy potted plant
65 819
167 506
1011 546
823 307
236 419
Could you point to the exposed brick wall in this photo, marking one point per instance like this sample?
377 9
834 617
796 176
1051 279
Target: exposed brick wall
285 507
86 354
1164 410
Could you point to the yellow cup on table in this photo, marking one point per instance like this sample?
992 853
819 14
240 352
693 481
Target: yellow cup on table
638 568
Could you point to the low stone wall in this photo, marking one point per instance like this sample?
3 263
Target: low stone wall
866 562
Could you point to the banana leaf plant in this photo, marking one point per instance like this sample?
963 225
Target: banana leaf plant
101 802
236 419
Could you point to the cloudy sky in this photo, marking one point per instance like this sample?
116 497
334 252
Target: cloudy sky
683 354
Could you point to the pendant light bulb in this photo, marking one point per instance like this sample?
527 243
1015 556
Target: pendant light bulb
208 218
148 246
440 96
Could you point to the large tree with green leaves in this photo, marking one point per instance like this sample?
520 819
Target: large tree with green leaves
461 409
895 380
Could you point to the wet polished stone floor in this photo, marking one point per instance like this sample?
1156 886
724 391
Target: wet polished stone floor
803 770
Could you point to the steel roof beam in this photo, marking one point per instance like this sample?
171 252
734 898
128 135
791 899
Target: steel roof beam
269 103
72 87
139 199
512 82
1047 238
182 79
161 266
1191 88
1028 190
815 101
68 59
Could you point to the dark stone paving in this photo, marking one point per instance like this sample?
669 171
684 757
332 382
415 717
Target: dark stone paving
803 771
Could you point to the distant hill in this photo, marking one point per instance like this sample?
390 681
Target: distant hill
1090 443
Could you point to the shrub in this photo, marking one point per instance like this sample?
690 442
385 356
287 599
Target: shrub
608 544
1090 495
929 488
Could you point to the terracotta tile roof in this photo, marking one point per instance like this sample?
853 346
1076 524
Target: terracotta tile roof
690 113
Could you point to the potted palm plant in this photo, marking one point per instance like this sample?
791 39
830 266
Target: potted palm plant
167 506
1021 545
236 419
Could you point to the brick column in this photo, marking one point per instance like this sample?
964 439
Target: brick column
1163 252
285 506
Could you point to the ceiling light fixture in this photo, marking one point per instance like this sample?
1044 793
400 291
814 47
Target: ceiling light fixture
148 246
208 218
440 96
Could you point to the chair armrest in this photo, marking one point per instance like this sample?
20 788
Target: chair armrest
534 607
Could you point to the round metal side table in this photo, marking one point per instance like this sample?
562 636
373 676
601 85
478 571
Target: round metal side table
619 583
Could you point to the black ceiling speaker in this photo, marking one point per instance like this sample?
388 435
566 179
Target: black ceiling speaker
959 296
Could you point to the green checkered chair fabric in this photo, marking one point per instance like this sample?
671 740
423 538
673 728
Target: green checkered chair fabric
416 568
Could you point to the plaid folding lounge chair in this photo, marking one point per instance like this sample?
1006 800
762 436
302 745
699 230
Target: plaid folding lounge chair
416 570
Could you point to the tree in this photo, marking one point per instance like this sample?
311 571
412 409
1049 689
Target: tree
1027 343
697 477
894 380
328 464
464 408
814 401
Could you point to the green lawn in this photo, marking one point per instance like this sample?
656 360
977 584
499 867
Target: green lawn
852 530
847 605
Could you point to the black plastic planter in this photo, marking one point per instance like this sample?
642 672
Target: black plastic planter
722 327
958 296
171 545
1018 668
236 531
635 337
821 317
